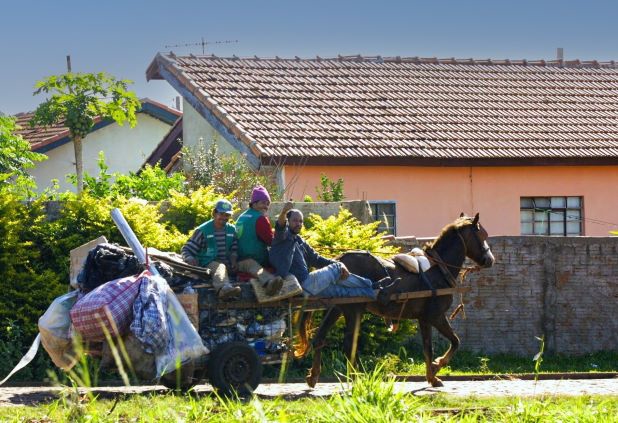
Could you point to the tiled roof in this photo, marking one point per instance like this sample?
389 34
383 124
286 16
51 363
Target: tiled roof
425 110
42 138
39 136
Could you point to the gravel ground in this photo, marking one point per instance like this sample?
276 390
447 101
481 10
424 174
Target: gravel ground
15 396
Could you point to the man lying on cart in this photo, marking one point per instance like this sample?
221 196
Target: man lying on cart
290 254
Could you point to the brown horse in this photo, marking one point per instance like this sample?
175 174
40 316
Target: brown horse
465 237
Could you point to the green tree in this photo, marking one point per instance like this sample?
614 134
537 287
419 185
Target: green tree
77 99
15 154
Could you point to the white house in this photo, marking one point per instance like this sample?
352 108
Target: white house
125 148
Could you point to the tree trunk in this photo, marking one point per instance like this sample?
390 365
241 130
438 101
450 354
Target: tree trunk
77 145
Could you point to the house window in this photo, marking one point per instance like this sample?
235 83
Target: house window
385 212
554 216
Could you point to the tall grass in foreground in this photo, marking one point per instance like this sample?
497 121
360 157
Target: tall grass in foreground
370 397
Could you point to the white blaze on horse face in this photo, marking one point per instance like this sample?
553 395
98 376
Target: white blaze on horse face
489 256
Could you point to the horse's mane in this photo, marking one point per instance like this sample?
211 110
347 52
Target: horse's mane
457 224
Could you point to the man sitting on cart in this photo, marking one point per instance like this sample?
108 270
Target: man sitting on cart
290 254
214 245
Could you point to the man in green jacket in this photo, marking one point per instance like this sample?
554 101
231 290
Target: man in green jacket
255 235
214 245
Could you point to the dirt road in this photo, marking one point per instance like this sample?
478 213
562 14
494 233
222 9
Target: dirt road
13 396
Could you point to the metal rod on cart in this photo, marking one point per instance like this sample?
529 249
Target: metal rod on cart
129 236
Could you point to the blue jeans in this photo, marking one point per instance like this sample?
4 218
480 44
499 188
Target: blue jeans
326 283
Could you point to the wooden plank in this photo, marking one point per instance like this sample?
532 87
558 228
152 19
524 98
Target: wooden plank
425 294
302 302
309 304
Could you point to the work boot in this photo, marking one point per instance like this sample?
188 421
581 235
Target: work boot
228 291
273 286
382 283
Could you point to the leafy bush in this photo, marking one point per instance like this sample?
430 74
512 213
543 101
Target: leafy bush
28 286
330 190
228 174
13 344
186 212
15 154
147 222
151 184
343 232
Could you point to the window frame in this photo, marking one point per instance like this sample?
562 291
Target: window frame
546 208
375 213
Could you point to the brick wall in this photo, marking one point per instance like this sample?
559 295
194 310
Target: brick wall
563 288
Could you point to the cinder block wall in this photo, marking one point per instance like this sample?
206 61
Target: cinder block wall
565 289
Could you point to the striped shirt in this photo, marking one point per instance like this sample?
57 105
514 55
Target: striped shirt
197 242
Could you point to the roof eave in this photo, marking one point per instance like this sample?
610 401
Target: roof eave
152 71
441 162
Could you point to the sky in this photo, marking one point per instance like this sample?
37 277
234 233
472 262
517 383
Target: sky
122 37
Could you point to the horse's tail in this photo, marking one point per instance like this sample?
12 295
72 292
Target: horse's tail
304 327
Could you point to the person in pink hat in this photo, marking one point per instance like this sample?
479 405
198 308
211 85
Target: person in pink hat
254 237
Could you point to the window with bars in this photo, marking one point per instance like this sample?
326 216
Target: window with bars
553 216
386 213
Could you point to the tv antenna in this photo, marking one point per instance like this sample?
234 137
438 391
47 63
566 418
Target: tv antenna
204 43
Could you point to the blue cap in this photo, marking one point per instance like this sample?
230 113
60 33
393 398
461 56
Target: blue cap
223 206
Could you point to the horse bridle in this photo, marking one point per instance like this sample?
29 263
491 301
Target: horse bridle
434 256
484 249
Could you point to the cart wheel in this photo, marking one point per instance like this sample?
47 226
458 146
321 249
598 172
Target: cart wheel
235 368
180 379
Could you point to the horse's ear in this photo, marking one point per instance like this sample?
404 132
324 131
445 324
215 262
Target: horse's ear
462 214
476 219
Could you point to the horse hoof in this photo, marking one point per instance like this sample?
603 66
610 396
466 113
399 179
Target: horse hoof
437 383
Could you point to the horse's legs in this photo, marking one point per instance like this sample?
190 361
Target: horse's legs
444 327
318 343
430 367
352 314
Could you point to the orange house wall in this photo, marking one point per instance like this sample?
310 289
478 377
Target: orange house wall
430 197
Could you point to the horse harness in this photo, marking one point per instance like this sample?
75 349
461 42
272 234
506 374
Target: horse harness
452 281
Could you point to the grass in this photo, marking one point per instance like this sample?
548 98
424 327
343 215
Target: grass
464 363
371 398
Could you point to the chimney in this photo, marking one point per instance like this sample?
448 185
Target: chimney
560 54
178 102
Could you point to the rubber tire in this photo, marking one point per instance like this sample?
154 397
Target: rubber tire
234 369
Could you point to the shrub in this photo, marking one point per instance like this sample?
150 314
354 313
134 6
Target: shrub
186 212
147 222
330 190
28 286
151 184
228 174
13 345
343 232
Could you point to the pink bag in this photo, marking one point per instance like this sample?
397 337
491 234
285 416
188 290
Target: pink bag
108 306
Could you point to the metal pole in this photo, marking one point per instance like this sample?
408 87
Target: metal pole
131 239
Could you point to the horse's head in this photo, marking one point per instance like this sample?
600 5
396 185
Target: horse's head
474 239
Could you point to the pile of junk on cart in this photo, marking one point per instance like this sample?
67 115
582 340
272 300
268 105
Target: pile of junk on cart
151 312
